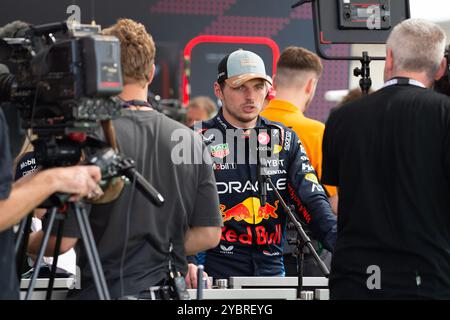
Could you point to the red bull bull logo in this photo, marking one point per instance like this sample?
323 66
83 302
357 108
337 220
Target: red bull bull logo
250 210
268 211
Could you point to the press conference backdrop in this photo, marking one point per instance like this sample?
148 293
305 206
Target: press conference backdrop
173 23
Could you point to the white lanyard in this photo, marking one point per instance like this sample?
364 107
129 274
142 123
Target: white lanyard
404 81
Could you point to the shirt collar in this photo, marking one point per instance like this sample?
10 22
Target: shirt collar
224 124
284 106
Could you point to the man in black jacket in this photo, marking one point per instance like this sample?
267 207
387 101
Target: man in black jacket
389 155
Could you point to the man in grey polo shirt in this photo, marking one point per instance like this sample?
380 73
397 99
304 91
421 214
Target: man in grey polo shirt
139 243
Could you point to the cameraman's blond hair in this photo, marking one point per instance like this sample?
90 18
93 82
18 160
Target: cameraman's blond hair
417 45
137 50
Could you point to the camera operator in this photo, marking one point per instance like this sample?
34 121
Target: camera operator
20 198
134 238
389 155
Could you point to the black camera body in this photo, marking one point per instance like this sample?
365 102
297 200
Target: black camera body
65 85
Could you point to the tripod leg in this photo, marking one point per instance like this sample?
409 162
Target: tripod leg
96 258
55 259
92 253
26 222
40 256
21 244
300 267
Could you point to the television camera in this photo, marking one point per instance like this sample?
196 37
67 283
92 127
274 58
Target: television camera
65 80
67 76
62 87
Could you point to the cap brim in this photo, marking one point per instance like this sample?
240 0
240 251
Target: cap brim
237 81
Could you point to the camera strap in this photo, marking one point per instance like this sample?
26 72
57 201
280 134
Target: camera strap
115 186
110 134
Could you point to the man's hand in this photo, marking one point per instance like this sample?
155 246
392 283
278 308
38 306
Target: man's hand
30 191
191 277
80 181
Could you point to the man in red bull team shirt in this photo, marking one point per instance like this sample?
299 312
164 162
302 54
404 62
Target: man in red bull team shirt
253 233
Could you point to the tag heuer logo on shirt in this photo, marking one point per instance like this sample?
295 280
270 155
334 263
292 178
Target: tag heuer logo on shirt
220 150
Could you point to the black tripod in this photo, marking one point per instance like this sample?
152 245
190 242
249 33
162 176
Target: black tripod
365 82
304 239
88 242
112 165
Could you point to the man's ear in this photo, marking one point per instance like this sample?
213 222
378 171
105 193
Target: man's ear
151 74
389 64
442 68
218 91
310 85
274 82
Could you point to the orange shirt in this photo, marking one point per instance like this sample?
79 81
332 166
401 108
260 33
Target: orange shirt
309 131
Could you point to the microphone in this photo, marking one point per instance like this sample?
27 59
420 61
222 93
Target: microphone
15 29
262 185
145 187
263 150
113 164
44 29
20 29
